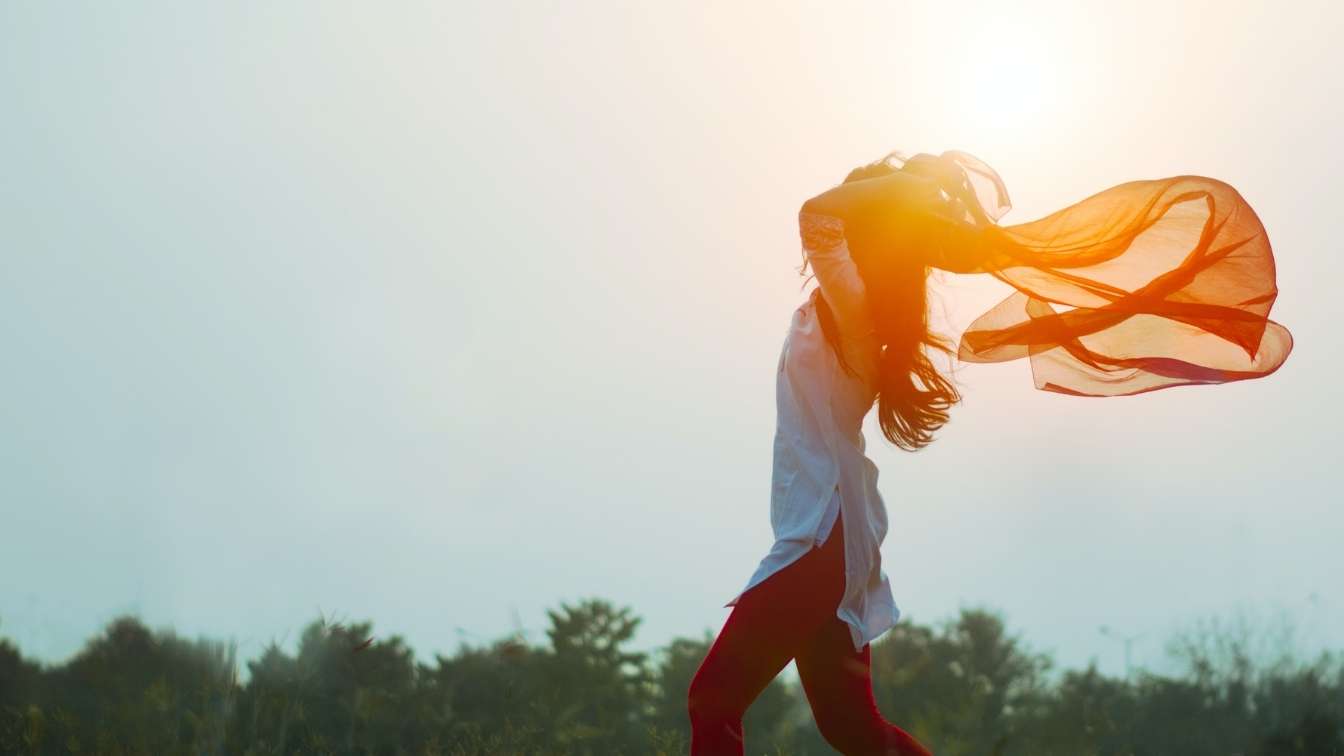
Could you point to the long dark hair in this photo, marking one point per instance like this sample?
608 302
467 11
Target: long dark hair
913 398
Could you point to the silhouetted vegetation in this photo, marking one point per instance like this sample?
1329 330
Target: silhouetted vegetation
964 687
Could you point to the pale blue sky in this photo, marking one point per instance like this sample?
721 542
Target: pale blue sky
441 314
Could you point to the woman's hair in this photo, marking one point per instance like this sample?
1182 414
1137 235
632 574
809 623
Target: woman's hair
913 397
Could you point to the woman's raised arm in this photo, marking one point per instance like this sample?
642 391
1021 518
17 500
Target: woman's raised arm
904 213
869 204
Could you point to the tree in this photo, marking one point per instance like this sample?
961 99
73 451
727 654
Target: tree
961 686
345 691
135 690
598 694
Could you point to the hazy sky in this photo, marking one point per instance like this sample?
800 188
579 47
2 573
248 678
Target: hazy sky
442 314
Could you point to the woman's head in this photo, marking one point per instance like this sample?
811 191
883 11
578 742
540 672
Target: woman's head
913 397
952 172
889 163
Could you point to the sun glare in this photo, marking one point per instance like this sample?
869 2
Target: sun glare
1008 78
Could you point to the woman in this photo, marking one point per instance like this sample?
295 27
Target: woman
1170 283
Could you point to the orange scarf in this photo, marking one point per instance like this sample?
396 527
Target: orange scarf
1143 286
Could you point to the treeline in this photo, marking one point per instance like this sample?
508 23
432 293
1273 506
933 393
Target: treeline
965 687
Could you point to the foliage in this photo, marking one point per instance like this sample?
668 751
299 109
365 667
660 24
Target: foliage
965 687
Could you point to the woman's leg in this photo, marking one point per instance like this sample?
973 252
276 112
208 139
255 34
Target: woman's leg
768 626
839 686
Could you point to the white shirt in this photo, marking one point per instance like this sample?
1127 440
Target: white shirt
819 463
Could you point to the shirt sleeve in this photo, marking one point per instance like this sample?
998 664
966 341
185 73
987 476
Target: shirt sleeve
823 239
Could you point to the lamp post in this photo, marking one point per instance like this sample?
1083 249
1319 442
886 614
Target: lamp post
1128 641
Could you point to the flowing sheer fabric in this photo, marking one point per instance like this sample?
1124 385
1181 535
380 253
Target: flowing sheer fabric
1143 286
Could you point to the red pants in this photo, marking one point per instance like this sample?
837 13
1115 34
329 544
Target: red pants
791 615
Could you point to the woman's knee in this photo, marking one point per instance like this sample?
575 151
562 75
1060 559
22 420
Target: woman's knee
701 703
706 700
848 734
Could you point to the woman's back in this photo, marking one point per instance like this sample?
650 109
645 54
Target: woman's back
820 469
